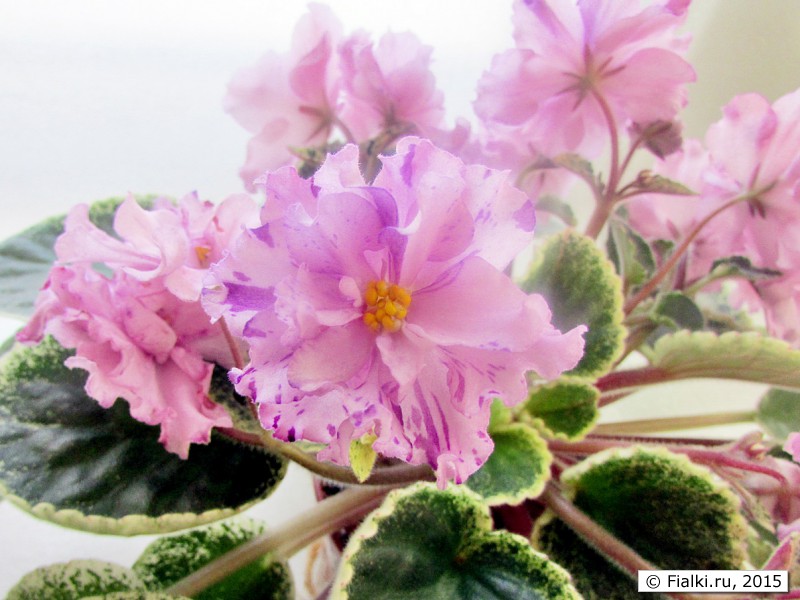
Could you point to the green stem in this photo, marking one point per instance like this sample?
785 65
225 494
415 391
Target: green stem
326 517
673 423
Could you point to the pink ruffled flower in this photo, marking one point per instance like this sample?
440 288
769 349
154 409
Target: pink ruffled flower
289 101
389 84
578 63
141 333
383 309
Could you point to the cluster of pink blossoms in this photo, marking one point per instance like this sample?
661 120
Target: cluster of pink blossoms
140 332
748 155
329 83
579 71
749 172
382 309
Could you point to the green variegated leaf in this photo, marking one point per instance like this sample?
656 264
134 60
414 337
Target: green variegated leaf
517 469
740 266
576 164
652 183
75 580
677 311
136 596
581 287
169 559
675 514
744 356
779 413
66 459
564 409
630 253
428 543
26 258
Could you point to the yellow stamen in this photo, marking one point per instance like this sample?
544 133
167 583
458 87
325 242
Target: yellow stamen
386 306
202 253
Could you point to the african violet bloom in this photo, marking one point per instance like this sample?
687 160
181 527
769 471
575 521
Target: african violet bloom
747 155
140 332
289 101
577 63
382 311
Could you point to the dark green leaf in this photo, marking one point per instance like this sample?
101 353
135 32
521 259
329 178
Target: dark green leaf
675 514
779 413
427 543
576 164
169 559
517 469
66 459
581 287
741 266
26 258
677 311
565 408
75 580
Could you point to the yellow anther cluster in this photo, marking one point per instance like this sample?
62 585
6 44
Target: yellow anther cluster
386 306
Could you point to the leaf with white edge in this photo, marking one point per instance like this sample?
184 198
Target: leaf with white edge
745 356
26 258
517 469
428 543
136 596
779 413
673 513
565 409
581 287
169 559
66 459
75 580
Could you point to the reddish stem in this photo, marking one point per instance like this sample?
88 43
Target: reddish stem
670 263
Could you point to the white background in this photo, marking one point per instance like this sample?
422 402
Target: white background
101 98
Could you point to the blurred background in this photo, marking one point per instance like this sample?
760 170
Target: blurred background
101 98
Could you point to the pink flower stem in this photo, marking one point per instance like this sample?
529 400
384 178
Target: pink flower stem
238 361
605 203
670 263
593 445
598 537
331 514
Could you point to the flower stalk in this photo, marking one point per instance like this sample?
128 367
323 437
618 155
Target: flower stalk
331 514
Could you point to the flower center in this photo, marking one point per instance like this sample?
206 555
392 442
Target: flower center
386 306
